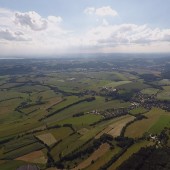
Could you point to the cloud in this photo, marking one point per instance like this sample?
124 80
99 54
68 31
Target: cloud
90 10
55 19
102 12
17 26
32 20
127 35
27 33
12 36
106 11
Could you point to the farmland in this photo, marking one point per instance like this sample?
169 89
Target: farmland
138 128
80 113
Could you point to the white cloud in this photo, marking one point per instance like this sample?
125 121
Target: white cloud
129 35
31 19
30 33
55 19
12 36
102 12
106 11
90 10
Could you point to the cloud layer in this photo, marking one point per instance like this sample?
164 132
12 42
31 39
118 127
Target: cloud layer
29 33
103 11
31 19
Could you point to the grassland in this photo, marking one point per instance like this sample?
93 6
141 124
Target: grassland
133 149
133 85
150 91
162 122
104 159
164 82
117 83
81 121
164 95
61 133
138 110
96 155
117 127
98 104
34 157
61 108
47 138
137 129
11 165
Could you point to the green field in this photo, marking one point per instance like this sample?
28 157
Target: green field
164 95
150 91
137 129
66 113
117 83
81 121
11 165
138 110
164 82
104 159
133 149
133 85
164 121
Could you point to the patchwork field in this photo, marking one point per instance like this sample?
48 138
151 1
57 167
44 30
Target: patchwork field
104 159
115 128
81 113
133 149
34 157
138 110
96 155
164 95
137 129
47 138
150 91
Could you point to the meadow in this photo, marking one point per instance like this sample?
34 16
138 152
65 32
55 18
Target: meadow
79 113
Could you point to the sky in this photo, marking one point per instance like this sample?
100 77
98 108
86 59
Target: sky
41 27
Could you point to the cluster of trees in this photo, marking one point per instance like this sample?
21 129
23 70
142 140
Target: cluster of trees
163 137
147 159
57 90
3 141
148 77
125 96
78 114
26 104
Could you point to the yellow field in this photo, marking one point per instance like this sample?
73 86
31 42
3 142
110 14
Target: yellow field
47 138
115 128
94 156
34 157
103 159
